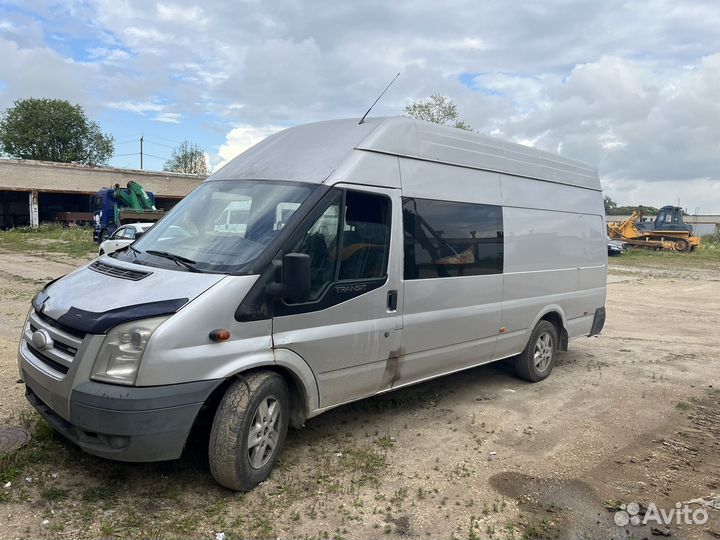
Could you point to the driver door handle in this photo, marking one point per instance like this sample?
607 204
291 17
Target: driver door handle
392 298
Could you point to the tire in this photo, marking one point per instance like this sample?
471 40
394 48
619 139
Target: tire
682 245
104 235
239 416
537 360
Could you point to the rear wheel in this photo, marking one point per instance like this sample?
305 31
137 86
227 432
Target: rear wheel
249 430
104 235
681 245
537 360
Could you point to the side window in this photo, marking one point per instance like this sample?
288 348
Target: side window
283 211
451 239
320 243
129 233
349 241
366 236
118 234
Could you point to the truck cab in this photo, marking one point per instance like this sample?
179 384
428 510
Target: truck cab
669 218
112 207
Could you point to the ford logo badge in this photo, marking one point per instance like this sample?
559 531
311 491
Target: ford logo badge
41 340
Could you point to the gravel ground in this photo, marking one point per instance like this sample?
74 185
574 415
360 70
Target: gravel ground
632 415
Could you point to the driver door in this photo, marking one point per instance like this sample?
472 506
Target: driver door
349 330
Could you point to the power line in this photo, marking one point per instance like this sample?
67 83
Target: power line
164 138
123 155
158 144
157 157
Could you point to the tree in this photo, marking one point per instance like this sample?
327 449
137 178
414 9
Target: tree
187 157
627 210
438 109
53 130
610 205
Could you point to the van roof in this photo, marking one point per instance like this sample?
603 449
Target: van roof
311 152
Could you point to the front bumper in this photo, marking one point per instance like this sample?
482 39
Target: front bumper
124 423
116 422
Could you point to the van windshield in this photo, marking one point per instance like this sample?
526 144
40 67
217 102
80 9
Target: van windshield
221 226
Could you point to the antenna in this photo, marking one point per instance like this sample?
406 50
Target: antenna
378 98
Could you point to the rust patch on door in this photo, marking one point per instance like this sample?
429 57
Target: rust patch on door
392 370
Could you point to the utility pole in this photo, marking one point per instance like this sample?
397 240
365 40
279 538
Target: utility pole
142 137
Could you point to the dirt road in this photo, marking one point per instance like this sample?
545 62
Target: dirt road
630 416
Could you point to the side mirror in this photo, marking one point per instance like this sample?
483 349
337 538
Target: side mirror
296 276
139 234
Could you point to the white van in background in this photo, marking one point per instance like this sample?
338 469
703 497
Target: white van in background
360 258
234 218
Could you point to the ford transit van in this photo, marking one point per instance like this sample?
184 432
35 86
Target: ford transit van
330 262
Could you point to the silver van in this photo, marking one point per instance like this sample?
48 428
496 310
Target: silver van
373 256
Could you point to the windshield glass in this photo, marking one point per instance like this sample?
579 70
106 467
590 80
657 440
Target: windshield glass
221 226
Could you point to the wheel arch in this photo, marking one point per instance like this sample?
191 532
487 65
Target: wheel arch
298 376
555 315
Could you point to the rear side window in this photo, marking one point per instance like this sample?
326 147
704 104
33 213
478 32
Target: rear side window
451 239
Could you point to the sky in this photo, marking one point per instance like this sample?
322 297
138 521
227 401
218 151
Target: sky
630 86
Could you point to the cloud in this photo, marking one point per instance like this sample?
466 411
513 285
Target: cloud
628 86
181 14
699 196
138 37
168 118
21 78
108 55
139 107
241 138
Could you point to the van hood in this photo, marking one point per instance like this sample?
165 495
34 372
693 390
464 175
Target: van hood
107 292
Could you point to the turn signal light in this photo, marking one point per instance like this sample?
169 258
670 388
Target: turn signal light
220 334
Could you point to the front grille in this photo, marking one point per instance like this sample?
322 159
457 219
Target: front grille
67 349
53 323
57 357
57 366
116 271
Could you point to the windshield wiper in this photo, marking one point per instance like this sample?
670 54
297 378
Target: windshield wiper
135 251
177 259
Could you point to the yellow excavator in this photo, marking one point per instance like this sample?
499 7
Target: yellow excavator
667 231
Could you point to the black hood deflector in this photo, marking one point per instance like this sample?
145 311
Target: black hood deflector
91 322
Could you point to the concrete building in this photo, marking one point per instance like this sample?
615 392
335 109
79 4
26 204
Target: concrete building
33 192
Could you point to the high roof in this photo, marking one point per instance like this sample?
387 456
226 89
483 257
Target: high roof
311 152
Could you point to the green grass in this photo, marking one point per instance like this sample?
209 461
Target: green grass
365 463
41 449
55 494
50 239
708 254
683 406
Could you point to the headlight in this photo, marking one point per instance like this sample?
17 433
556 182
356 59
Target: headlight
119 357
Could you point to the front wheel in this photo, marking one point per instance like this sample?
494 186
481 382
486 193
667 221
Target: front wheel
537 360
249 430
